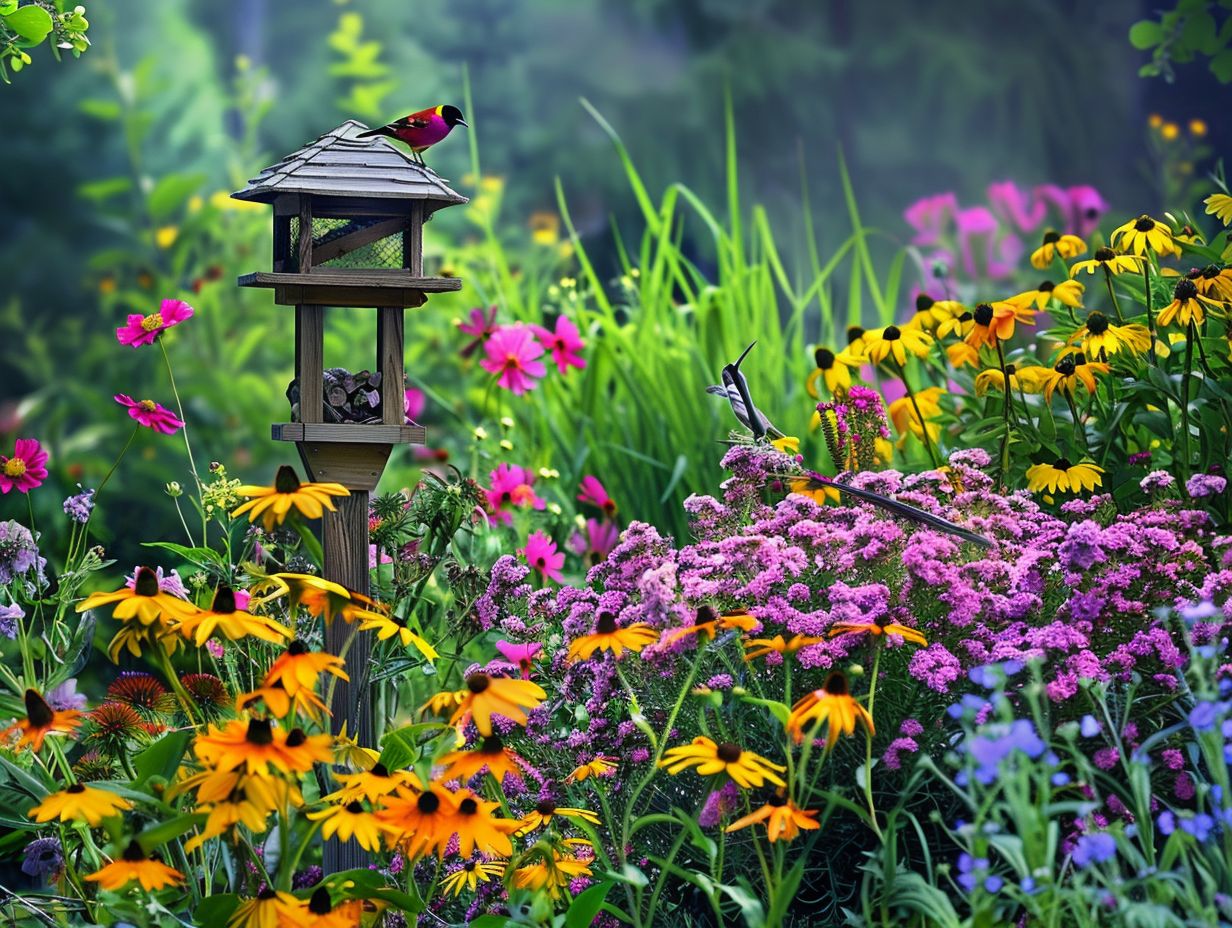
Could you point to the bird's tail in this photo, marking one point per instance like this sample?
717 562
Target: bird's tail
902 510
383 130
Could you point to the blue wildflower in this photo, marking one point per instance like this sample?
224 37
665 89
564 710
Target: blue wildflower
44 857
1203 716
1094 849
9 617
1090 727
1200 826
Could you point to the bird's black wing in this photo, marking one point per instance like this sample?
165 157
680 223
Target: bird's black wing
902 510
736 390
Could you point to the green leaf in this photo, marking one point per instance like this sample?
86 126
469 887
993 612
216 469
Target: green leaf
1145 34
488 921
100 109
586 906
165 831
100 190
400 747
27 781
779 710
216 909
1221 66
171 192
202 557
750 905
162 757
32 23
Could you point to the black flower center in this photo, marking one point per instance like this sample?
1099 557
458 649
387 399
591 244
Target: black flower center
260 732
320 904
1211 271
492 745
76 788
1010 370
1097 323
923 303
379 770
836 685
1063 464
286 481
823 358
983 314
1104 254
267 894
427 803
468 806
147 582
606 624
478 682
1144 224
728 752
854 334
1065 367
355 808
892 333
1185 290
1046 286
224 600
133 852
296 738
778 800
705 615
296 648
1051 237
38 712
546 807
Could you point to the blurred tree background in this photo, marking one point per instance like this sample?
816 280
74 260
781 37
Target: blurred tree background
110 162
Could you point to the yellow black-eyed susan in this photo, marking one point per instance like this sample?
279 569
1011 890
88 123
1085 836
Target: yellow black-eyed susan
1053 244
1138 236
832 704
1101 339
599 766
134 865
992 322
490 754
257 746
834 370
272 504
389 626
542 814
223 616
746 768
551 873
349 821
958 325
609 636
784 820
419 822
471 874
1073 368
1219 205
479 828
902 413
298 668
486 695
962 355
896 342
1106 259
1062 476
373 784
760 647
269 908
1020 378
41 720
707 623
79 803
879 627
144 601
1067 292
1187 306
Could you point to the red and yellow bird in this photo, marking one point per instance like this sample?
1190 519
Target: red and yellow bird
421 130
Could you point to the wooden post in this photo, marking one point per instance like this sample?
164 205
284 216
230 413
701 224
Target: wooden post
389 361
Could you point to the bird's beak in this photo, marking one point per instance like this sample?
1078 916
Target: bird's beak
461 122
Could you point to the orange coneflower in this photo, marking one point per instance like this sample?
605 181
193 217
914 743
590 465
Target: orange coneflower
833 703
551 875
79 803
269 909
279 703
421 822
486 695
479 829
298 668
257 746
601 766
882 625
132 865
41 720
708 623
744 767
760 647
373 784
993 322
783 818
322 913
232 799
388 626
223 616
1072 368
608 636
490 754
349 820
272 504
319 596
541 816
442 703
1188 305
1067 292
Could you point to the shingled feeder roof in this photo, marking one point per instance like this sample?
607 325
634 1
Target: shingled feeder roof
341 164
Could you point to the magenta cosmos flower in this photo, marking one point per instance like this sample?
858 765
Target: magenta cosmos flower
26 469
594 493
597 543
521 654
540 553
511 486
511 356
151 414
481 327
564 343
142 330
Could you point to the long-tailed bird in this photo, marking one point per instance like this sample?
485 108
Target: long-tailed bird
736 389
421 130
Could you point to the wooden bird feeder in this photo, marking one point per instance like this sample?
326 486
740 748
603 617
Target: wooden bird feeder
348 232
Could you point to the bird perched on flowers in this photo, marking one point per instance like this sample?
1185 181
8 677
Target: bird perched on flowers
421 130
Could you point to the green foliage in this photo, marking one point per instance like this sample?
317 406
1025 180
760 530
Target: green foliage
26 24
1193 30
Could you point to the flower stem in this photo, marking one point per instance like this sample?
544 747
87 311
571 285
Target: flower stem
928 442
192 464
1191 336
1005 439
868 744
1150 315
1116 304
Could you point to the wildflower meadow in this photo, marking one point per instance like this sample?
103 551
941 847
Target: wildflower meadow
679 562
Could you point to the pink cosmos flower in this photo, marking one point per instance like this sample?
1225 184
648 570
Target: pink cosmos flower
511 486
482 326
541 554
172 585
413 405
978 229
1014 205
142 330
930 216
1087 207
564 343
151 414
511 355
597 543
594 493
26 469
521 654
